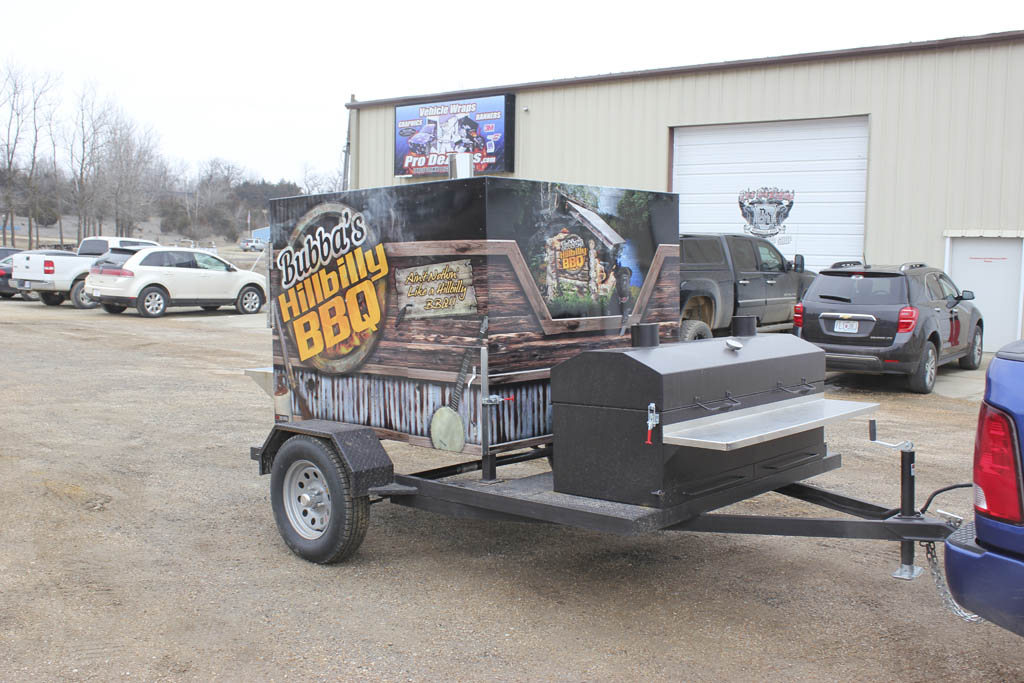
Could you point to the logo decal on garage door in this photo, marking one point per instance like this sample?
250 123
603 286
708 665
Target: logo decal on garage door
765 210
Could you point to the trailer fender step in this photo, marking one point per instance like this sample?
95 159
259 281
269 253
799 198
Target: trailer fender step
389 490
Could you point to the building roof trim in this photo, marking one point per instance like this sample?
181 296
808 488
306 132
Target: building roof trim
943 44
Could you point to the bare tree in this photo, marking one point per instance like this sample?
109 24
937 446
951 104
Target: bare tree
13 110
84 144
40 110
314 182
130 160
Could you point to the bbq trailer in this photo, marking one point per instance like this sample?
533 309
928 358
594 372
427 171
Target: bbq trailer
502 321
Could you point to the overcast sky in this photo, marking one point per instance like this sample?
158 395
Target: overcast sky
264 84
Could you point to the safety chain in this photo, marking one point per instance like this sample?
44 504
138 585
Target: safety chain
940 585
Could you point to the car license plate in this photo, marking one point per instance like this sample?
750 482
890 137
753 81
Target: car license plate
25 284
95 292
847 326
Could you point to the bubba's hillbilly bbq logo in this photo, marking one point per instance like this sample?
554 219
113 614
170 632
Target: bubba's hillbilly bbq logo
572 254
332 294
765 210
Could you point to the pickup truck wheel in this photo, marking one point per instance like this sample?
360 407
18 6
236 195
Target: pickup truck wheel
690 330
113 309
972 361
51 299
80 297
249 300
152 302
311 496
923 379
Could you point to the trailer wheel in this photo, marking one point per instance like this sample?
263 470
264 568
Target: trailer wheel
311 495
690 330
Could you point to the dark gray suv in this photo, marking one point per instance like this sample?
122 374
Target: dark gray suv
906 319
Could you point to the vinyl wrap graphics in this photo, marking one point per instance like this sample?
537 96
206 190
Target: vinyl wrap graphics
384 297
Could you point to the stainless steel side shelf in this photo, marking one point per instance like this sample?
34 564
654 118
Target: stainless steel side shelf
749 426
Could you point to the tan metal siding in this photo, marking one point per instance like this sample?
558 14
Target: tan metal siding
946 133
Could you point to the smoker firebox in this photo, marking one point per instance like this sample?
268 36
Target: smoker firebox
671 425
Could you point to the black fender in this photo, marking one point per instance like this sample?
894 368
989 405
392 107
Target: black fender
359 447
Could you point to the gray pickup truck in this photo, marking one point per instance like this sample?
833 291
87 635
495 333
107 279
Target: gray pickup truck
721 276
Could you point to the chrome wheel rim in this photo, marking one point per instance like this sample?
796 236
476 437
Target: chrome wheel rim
307 500
977 348
83 297
153 303
929 367
250 301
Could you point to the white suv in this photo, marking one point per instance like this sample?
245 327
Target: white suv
155 278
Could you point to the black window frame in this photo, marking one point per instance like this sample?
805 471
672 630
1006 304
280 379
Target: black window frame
736 246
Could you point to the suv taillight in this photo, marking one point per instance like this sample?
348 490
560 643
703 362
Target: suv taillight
996 476
798 315
116 272
908 319
47 267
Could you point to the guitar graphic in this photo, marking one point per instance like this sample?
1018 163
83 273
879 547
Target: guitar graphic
447 432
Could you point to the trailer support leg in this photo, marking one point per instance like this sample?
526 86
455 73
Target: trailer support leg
907 570
489 468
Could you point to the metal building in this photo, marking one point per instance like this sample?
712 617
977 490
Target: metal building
893 153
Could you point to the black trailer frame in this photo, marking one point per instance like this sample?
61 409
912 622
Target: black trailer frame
531 499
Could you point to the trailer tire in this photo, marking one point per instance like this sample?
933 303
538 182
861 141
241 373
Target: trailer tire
307 480
52 298
691 330
80 298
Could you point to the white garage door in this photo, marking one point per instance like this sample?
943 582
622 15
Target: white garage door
990 267
802 184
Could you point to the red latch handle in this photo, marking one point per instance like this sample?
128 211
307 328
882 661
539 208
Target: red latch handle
653 420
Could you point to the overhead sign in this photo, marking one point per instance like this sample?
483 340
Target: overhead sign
425 134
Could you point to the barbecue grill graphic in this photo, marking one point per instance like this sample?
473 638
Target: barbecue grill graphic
765 210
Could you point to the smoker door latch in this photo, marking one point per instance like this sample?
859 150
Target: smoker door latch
494 399
652 421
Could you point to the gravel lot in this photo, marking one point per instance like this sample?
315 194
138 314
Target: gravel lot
138 543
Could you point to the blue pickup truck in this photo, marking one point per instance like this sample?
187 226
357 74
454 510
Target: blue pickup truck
985 559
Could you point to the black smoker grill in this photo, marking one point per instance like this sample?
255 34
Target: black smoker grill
690 426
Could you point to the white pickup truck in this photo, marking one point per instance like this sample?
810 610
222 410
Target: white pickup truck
56 278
